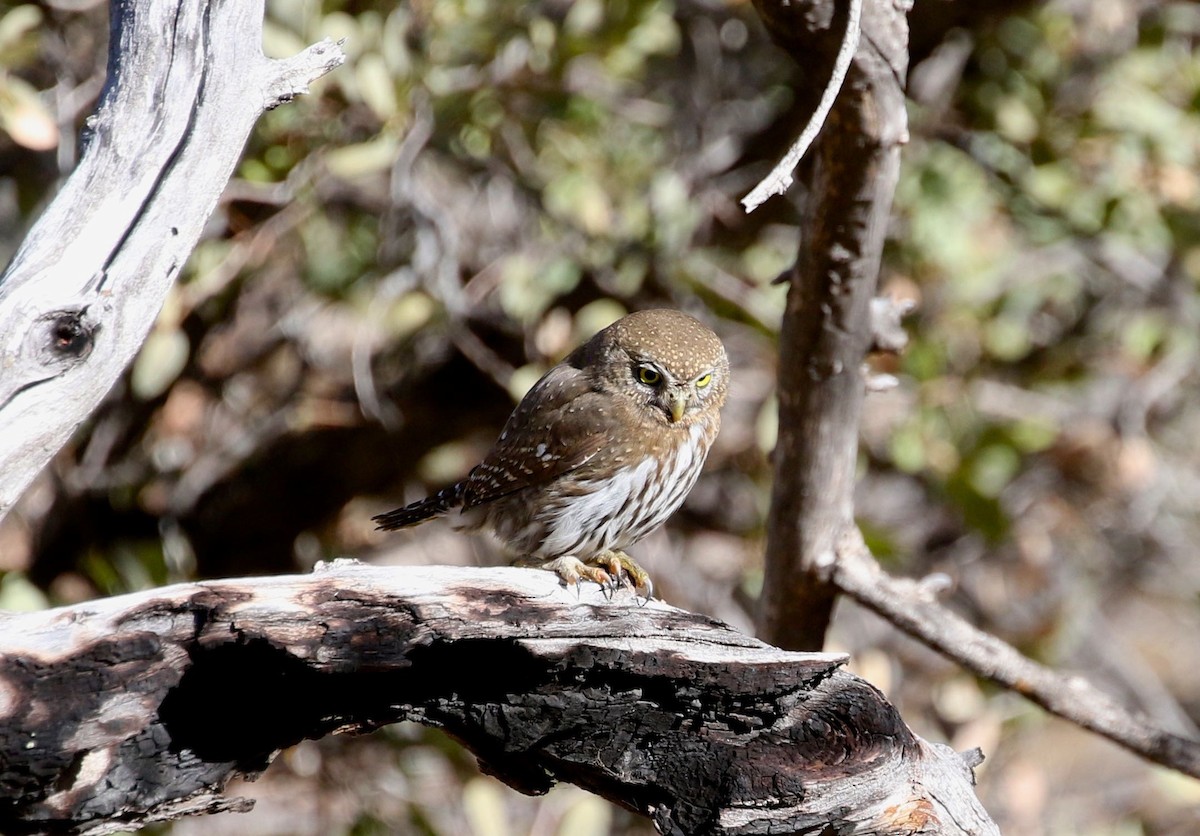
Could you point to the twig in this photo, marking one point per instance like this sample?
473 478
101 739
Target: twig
291 77
780 178
905 604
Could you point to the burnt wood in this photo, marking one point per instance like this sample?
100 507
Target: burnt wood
140 708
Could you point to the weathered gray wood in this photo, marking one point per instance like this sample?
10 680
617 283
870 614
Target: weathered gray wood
187 81
142 707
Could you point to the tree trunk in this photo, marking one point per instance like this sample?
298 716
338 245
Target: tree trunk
826 328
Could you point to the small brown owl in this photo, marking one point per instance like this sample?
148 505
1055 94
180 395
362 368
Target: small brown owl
598 453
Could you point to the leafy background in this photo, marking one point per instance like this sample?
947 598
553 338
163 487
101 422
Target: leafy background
484 184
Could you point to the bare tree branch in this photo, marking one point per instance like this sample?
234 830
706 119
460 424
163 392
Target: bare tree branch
187 81
827 325
814 550
780 178
141 708
911 607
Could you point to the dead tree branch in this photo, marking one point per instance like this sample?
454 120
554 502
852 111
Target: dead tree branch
826 330
141 708
780 178
187 81
914 609
814 550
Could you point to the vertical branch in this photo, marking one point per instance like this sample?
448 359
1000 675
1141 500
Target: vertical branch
826 329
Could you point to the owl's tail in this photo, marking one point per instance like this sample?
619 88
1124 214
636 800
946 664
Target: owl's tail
422 510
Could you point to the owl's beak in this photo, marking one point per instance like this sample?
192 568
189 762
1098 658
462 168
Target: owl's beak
679 401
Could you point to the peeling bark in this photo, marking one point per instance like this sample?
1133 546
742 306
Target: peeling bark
141 708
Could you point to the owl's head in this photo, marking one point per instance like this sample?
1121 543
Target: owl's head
665 361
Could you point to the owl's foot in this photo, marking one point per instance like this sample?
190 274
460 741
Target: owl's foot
572 570
609 569
624 569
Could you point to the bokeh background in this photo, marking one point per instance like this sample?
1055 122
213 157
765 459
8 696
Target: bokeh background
485 184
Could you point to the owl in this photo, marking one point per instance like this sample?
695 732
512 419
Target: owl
598 453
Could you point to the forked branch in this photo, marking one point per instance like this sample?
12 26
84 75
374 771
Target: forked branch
827 325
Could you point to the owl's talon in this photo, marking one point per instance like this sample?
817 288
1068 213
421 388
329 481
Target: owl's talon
649 592
571 570
624 571
611 564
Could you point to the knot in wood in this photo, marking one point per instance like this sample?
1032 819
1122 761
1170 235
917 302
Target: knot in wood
64 337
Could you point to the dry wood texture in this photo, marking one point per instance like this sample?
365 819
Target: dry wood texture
141 708
187 80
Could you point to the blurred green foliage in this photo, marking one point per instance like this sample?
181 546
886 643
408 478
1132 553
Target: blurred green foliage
1050 227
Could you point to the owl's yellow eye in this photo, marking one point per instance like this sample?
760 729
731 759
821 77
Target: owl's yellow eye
703 380
648 375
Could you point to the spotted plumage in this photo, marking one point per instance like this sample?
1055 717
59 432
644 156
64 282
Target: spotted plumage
599 452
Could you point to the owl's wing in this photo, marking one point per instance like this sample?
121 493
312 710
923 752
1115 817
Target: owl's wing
559 425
